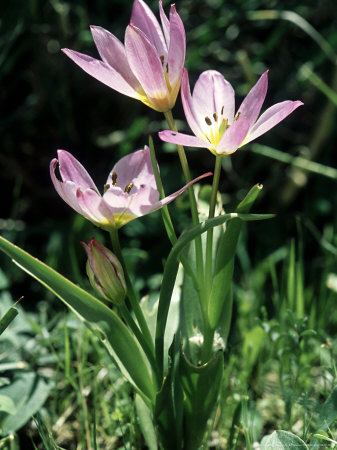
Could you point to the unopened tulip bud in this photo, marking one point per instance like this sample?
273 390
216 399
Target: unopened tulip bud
105 272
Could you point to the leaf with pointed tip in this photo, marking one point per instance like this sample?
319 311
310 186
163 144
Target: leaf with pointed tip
171 269
220 300
102 320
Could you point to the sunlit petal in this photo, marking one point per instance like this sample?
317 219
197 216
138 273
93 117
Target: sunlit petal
252 103
182 139
102 72
143 18
271 117
112 52
147 67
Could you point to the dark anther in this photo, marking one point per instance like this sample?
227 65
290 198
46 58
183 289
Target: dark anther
128 188
237 116
222 110
106 187
162 59
114 178
208 120
215 116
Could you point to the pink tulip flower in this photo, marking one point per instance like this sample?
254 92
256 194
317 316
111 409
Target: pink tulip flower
130 190
149 66
210 113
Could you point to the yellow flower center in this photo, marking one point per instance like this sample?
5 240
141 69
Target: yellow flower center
216 127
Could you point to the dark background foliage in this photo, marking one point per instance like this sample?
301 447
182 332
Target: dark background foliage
48 103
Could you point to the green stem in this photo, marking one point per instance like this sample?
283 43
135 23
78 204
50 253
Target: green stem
194 211
207 346
164 210
166 215
133 297
209 242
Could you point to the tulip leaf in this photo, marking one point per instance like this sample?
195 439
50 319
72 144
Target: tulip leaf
102 320
171 269
169 403
201 385
7 319
145 420
220 300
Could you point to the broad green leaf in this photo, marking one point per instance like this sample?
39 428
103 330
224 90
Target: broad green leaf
171 269
28 393
7 405
282 440
114 334
327 416
220 301
201 385
169 403
146 423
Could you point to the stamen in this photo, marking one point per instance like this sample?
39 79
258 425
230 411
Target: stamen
128 188
215 116
114 178
237 116
162 59
208 121
222 110
167 67
106 187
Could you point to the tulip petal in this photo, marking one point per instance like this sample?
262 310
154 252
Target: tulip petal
136 168
165 23
72 170
183 139
112 52
233 136
252 103
67 190
187 101
59 184
213 94
143 18
102 72
170 198
271 117
177 48
91 205
147 66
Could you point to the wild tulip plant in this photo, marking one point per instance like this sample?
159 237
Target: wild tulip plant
173 357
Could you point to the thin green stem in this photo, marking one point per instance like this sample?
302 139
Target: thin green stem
194 211
133 297
209 242
166 215
164 210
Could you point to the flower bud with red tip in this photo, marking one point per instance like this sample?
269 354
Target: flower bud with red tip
105 272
